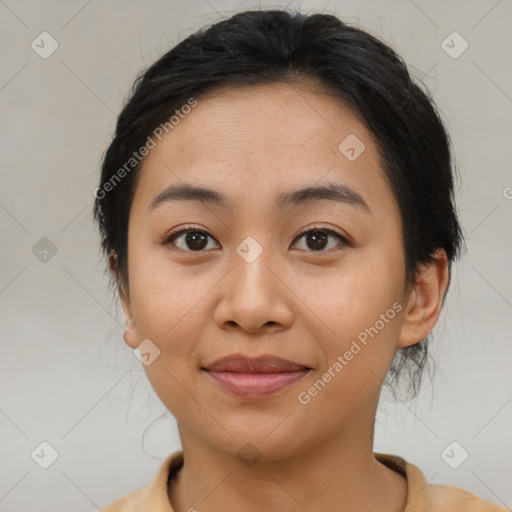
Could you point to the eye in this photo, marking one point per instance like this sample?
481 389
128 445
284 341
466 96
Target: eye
194 239
317 239
191 239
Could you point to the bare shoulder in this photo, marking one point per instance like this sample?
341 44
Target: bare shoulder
446 498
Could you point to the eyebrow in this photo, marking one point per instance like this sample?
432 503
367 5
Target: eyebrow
331 191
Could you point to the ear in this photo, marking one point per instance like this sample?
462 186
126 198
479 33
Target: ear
130 333
425 300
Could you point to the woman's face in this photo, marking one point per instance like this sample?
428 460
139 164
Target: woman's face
254 285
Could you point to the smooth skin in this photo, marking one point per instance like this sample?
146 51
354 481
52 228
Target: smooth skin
253 143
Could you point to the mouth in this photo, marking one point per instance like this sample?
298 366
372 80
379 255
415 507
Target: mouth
254 377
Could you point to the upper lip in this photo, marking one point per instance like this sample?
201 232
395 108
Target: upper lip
262 364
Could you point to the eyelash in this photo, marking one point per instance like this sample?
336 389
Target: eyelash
168 239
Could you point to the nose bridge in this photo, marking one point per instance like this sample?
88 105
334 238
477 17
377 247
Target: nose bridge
251 262
253 296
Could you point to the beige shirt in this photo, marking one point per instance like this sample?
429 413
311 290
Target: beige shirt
421 497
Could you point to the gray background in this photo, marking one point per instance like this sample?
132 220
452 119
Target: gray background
67 377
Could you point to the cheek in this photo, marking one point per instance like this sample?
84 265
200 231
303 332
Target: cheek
357 354
352 298
169 311
362 311
165 296
172 307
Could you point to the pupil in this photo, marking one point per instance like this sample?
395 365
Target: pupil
196 241
318 239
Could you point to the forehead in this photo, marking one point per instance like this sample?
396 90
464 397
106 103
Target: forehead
263 139
259 118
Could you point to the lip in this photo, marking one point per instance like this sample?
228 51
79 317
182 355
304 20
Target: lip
261 364
254 377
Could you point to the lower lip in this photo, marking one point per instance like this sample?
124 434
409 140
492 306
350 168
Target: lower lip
256 385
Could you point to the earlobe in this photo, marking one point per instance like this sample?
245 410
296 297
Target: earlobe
130 333
425 300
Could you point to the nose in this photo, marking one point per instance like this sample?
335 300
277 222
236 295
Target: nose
254 297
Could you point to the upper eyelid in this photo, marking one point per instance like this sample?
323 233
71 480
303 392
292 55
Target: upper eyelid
319 227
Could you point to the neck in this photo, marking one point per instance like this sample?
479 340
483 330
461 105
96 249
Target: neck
338 474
